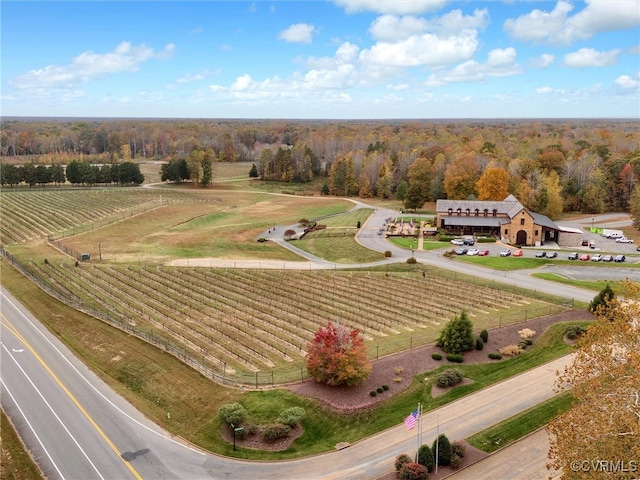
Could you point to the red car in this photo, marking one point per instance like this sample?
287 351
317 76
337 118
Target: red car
585 257
482 253
518 253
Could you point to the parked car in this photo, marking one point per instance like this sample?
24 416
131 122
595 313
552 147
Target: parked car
468 241
573 256
585 243
624 240
619 258
473 251
483 253
505 253
461 251
596 257
552 254
541 254
457 241
518 253
638 248
585 257
607 258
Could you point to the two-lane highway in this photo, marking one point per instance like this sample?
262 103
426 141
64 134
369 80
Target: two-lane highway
74 424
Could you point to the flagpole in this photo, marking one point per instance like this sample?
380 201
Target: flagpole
437 442
418 433
420 427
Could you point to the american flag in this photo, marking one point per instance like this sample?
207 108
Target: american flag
410 421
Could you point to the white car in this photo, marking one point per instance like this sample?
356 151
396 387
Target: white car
505 253
457 241
596 258
473 251
624 240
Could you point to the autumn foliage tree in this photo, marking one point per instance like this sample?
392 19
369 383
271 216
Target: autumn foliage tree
493 184
604 381
337 355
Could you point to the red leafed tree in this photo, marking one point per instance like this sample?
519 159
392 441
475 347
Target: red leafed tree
337 355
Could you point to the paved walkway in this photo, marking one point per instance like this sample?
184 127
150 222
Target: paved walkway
526 458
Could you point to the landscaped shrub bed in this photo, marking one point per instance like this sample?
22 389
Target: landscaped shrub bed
449 378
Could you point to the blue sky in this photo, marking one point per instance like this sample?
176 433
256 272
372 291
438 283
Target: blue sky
339 59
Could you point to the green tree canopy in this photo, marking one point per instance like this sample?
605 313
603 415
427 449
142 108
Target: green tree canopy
457 335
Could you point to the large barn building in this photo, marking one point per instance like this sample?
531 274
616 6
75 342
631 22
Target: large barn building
507 220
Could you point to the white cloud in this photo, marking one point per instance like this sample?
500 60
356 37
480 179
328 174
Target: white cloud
625 83
425 49
546 90
543 61
346 53
501 57
298 33
565 93
589 57
500 63
340 77
393 7
557 27
196 77
398 86
605 16
455 21
539 25
392 28
89 65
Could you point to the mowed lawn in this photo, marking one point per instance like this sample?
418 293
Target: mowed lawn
336 243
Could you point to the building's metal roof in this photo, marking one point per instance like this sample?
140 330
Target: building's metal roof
543 221
509 206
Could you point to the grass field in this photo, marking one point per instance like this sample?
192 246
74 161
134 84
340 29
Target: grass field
589 285
222 225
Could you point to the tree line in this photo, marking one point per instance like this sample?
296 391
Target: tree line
551 166
76 173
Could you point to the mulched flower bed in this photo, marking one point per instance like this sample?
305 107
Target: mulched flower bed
418 360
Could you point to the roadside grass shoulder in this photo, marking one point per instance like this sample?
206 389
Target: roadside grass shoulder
15 461
520 425
595 285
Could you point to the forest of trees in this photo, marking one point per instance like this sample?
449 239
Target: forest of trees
551 166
